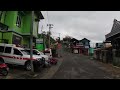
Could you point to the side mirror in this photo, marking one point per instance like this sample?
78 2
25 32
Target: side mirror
38 53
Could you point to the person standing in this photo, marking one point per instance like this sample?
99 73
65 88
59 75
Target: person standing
59 49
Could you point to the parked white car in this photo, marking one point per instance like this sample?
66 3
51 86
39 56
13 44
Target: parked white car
38 53
11 54
48 52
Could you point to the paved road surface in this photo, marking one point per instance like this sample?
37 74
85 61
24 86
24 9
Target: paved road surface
75 66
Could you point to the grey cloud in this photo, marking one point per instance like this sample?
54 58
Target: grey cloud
93 25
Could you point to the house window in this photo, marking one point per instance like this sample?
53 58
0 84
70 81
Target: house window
1 12
18 22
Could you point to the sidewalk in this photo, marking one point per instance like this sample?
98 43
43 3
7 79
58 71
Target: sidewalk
110 68
52 70
44 73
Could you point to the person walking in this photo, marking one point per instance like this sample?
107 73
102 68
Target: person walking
59 49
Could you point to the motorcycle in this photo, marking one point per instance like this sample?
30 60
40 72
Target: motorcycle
53 61
3 69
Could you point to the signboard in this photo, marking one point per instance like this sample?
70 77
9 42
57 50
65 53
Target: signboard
39 41
40 47
86 46
107 45
75 50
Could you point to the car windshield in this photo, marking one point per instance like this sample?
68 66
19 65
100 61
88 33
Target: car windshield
25 52
41 53
34 52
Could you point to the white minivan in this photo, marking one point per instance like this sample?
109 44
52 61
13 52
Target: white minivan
11 54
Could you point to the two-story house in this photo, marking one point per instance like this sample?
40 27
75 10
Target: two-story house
15 27
85 43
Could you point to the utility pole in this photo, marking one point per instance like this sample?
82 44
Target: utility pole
43 35
50 26
59 36
31 42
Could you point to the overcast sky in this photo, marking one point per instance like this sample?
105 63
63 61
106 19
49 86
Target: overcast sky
93 25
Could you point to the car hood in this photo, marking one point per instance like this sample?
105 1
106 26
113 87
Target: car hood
34 56
45 56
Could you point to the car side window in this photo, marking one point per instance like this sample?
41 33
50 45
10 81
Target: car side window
35 52
17 52
2 48
8 50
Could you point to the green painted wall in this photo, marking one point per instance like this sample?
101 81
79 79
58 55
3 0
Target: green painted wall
39 47
16 28
3 17
27 23
25 41
8 36
10 18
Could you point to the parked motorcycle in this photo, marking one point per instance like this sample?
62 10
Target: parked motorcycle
53 61
3 69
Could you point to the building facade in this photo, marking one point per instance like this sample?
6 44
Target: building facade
15 27
85 43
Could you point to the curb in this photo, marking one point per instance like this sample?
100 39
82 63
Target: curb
52 70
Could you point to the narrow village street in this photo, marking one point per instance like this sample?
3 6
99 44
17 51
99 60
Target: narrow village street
70 66
59 45
75 66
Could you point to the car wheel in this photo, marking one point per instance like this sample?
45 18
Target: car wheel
28 66
4 72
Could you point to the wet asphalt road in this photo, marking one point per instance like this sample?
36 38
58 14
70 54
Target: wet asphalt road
75 66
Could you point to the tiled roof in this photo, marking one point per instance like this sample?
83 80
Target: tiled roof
115 29
84 39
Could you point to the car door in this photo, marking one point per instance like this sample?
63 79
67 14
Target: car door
7 55
18 57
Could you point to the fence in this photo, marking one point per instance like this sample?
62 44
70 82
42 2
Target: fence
104 55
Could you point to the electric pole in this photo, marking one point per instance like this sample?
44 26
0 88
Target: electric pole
31 42
50 26
59 36
43 35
